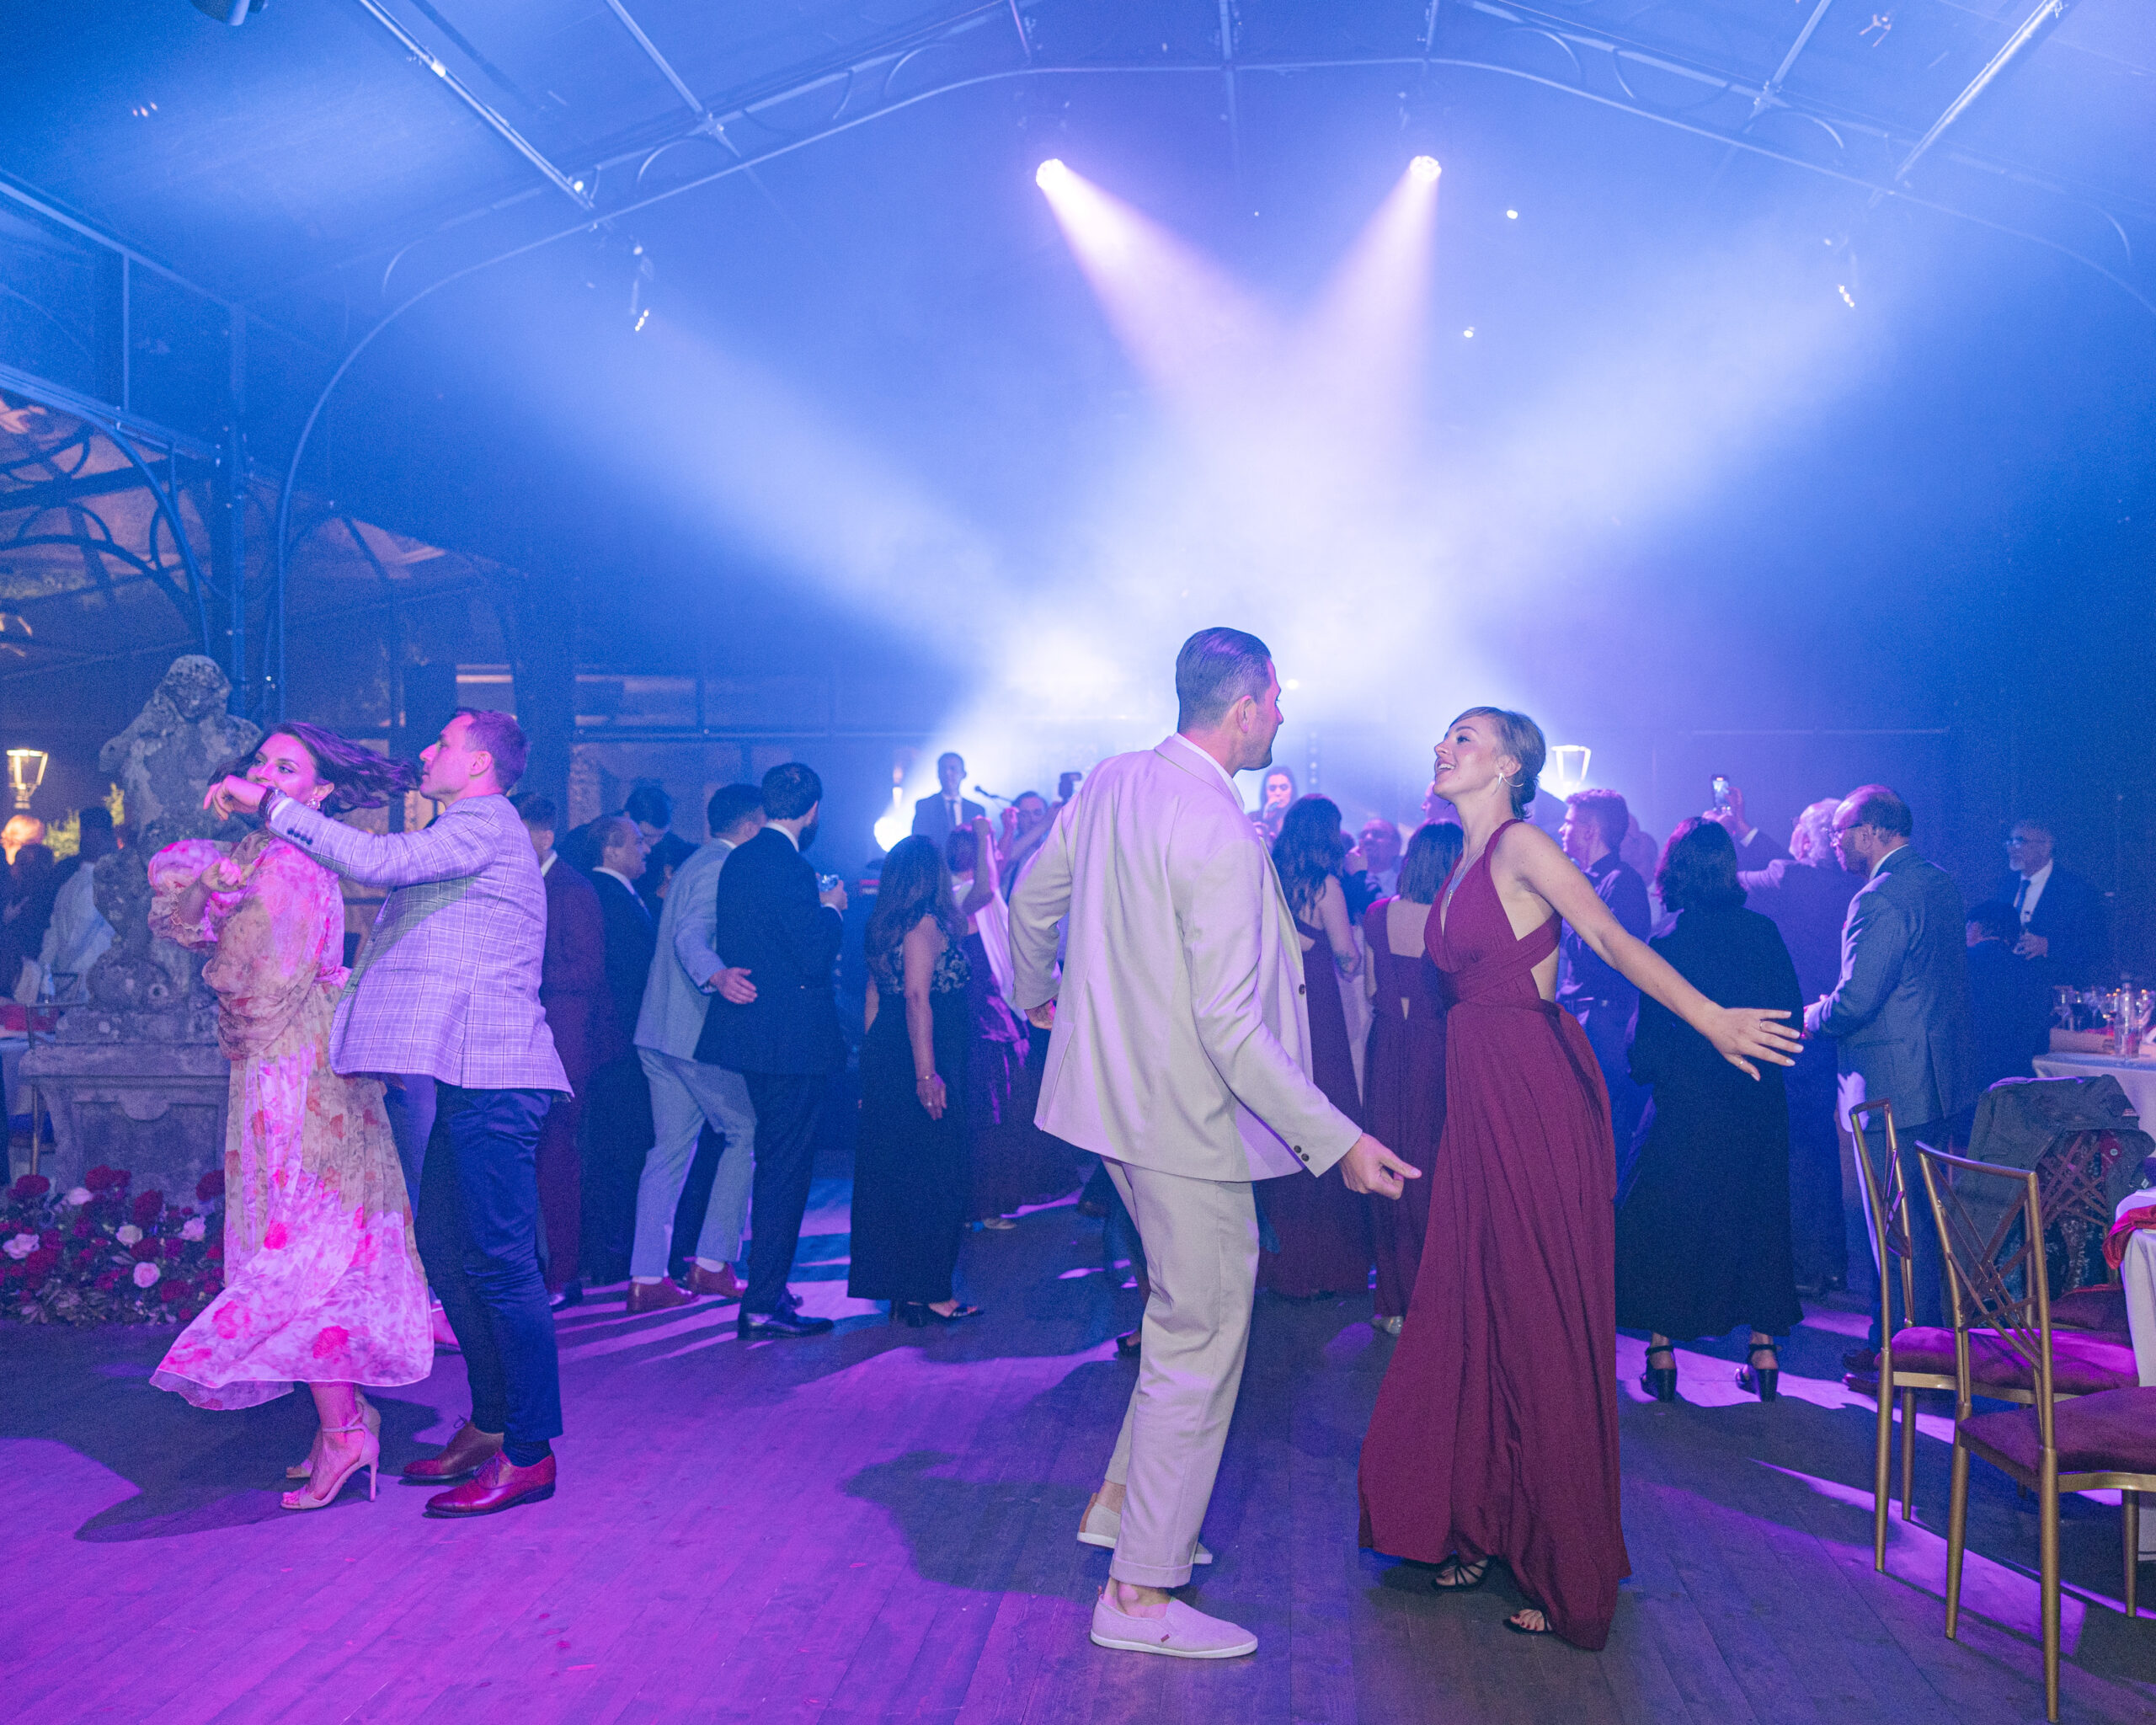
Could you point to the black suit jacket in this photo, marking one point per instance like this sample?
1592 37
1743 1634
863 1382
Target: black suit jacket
631 940
2012 1011
772 922
1808 902
2071 917
931 817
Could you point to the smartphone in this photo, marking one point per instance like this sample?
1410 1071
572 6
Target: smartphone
1721 790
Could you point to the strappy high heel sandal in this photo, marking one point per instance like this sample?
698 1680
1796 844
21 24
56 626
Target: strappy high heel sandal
1455 1577
1763 1381
371 1414
369 1456
1660 1382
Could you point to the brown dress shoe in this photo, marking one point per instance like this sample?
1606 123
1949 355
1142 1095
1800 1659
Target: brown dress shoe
468 1451
723 1282
500 1485
656 1297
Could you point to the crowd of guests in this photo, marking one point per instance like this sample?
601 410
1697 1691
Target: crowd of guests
577 1015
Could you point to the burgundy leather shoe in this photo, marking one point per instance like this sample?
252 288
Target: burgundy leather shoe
500 1485
469 1451
658 1296
723 1282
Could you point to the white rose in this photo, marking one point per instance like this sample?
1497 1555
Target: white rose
128 1234
193 1229
146 1274
80 1195
21 1247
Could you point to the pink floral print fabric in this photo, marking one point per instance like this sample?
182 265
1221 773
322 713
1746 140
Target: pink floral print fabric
322 1282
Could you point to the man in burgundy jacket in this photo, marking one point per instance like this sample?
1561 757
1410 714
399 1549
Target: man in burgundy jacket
572 990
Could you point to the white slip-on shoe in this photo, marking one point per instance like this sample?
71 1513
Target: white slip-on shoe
1183 1633
1103 1526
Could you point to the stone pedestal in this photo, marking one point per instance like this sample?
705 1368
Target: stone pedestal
135 1078
155 1108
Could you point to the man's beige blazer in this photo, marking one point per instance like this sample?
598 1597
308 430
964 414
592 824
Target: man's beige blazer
1182 1037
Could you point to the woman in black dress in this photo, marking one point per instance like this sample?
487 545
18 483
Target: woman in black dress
909 1160
1702 1238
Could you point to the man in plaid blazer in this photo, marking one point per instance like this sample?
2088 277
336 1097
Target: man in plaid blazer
447 987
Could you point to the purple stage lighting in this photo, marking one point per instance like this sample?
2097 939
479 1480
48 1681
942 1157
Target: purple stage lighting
1425 168
1050 173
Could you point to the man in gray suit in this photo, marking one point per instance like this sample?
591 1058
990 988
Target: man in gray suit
1181 1055
686 1094
1900 1013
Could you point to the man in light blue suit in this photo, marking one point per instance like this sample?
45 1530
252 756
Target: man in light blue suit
1901 1013
684 1093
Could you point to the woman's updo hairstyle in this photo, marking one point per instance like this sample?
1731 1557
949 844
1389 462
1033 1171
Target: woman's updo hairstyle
1521 737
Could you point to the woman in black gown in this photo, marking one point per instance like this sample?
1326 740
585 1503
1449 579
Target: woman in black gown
909 1160
1702 1238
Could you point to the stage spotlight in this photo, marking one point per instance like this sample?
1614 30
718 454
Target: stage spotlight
1425 168
1511 215
231 12
1050 173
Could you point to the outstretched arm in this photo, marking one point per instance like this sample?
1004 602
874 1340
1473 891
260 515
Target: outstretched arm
1042 900
1530 858
454 846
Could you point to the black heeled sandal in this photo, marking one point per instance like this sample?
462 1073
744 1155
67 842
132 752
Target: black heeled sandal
1455 1577
909 1313
1763 1381
1660 1382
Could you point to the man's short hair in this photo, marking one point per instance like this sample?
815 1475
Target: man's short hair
1216 669
649 805
1875 805
95 816
730 805
950 754
1607 809
1998 919
613 832
502 737
536 811
2028 824
790 789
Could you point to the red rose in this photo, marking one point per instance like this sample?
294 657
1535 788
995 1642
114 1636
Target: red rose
211 1185
147 1205
31 1187
82 1230
146 1250
216 1252
171 1293
51 1238
105 1179
107 1282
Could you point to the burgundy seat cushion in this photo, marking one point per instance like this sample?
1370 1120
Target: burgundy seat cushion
2102 1308
2112 1432
2083 1364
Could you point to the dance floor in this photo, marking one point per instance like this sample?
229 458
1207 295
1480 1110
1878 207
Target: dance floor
877 1525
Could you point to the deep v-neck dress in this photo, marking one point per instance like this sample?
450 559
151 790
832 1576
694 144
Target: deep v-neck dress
1496 1429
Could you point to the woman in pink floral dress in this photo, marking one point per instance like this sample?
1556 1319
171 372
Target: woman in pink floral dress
323 1284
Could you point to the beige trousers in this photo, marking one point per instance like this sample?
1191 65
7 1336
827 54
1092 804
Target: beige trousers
1201 1256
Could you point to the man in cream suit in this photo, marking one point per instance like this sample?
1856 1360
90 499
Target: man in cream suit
1181 1053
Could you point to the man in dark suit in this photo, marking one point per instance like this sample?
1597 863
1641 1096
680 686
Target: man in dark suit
2012 1007
1606 1005
665 849
1806 892
573 991
939 817
1899 1013
619 1129
2064 935
773 923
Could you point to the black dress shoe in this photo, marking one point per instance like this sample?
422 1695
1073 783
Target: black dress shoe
750 1325
570 1294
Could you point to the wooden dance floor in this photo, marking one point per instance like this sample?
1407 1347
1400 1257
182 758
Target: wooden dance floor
877 1525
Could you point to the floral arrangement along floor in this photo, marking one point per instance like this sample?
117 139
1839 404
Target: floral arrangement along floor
101 1254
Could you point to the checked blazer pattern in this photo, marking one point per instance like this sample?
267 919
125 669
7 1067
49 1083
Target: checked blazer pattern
448 981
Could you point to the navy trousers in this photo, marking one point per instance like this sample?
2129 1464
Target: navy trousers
789 1107
478 1236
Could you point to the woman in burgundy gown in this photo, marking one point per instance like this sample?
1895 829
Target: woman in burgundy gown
1323 1229
1496 1430
1404 1087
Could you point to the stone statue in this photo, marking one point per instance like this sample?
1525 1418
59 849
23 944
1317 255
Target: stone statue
164 761
134 1077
